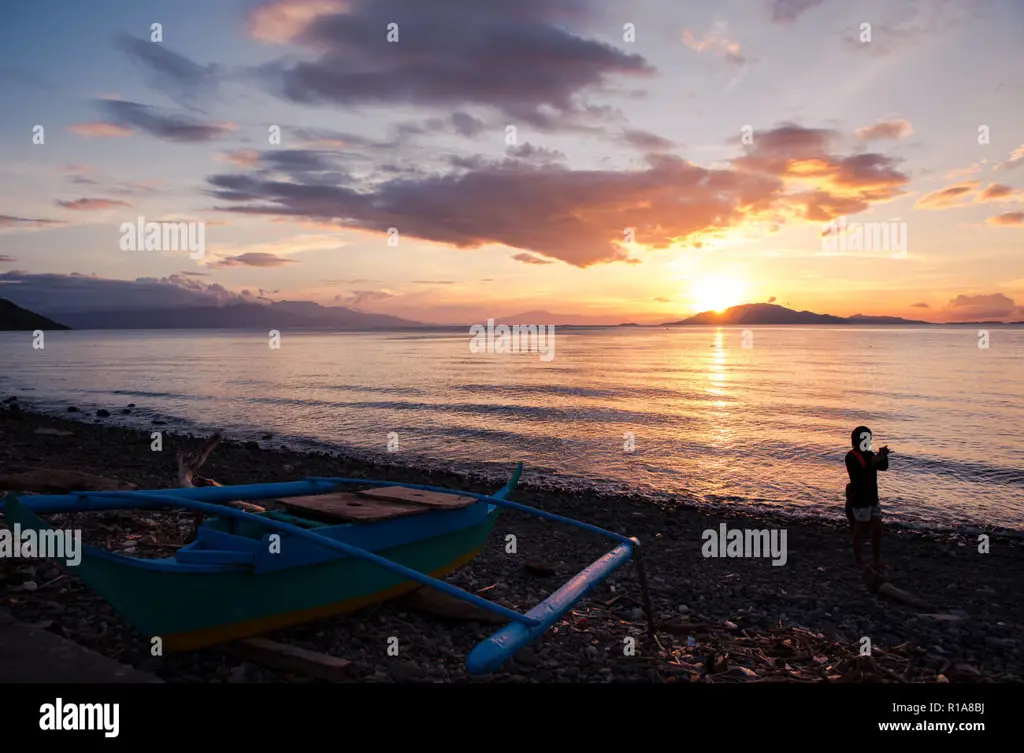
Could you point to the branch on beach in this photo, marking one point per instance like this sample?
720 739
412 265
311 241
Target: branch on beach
189 478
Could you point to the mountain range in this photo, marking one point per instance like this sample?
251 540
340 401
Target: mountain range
310 315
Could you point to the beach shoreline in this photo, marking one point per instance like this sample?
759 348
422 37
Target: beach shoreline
746 606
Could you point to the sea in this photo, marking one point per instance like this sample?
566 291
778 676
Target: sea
717 417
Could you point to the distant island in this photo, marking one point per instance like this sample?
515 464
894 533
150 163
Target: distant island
770 313
773 314
310 315
14 318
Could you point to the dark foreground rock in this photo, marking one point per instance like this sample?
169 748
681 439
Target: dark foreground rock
720 619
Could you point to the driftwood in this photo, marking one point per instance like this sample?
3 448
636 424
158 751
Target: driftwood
49 481
290 658
189 464
878 584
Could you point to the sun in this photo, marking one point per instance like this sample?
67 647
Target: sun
717 293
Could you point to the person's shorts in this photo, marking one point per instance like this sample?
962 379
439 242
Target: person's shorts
866 514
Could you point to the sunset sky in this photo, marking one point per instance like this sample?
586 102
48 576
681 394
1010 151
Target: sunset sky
611 132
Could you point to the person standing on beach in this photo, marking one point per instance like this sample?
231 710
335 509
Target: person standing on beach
862 504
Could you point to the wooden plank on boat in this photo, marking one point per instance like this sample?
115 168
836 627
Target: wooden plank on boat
290 658
419 497
344 506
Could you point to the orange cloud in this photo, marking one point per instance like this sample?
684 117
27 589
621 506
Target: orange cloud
281 21
246 157
1007 219
100 130
885 129
954 196
715 44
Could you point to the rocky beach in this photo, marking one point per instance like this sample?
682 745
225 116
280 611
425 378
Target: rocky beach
803 618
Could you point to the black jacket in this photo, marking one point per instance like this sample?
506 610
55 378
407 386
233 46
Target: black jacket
864 478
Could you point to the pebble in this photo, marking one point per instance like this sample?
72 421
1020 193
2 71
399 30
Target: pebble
833 603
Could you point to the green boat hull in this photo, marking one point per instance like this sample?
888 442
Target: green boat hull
188 611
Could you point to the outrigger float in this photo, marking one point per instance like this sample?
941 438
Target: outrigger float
328 552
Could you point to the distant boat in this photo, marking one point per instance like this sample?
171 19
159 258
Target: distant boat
329 553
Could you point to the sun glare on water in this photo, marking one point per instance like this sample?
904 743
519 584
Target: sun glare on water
717 293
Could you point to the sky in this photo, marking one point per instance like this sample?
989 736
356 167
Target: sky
452 161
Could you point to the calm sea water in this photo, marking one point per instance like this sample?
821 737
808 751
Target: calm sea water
709 420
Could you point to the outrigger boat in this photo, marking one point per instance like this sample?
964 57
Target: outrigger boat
330 552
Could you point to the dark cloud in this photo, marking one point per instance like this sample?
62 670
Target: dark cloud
976 307
515 57
467 125
5 259
663 300
181 79
433 282
357 298
646 141
167 126
530 153
27 223
93 205
55 293
920 306
251 259
579 216
786 11
773 299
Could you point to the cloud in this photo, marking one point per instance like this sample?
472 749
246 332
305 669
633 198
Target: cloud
773 299
352 62
53 293
357 298
663 300
244 157
920 306
885 129
529 152
976 307
531 259
170 127
27 223
716 44
995 192
101 130
1007 219
954 196
93 205
578 216
181 79
1016 159
467 125
787 11
433 282
251 259
646 141
5 259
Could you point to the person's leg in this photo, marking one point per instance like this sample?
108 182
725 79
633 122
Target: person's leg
876 537
861 527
